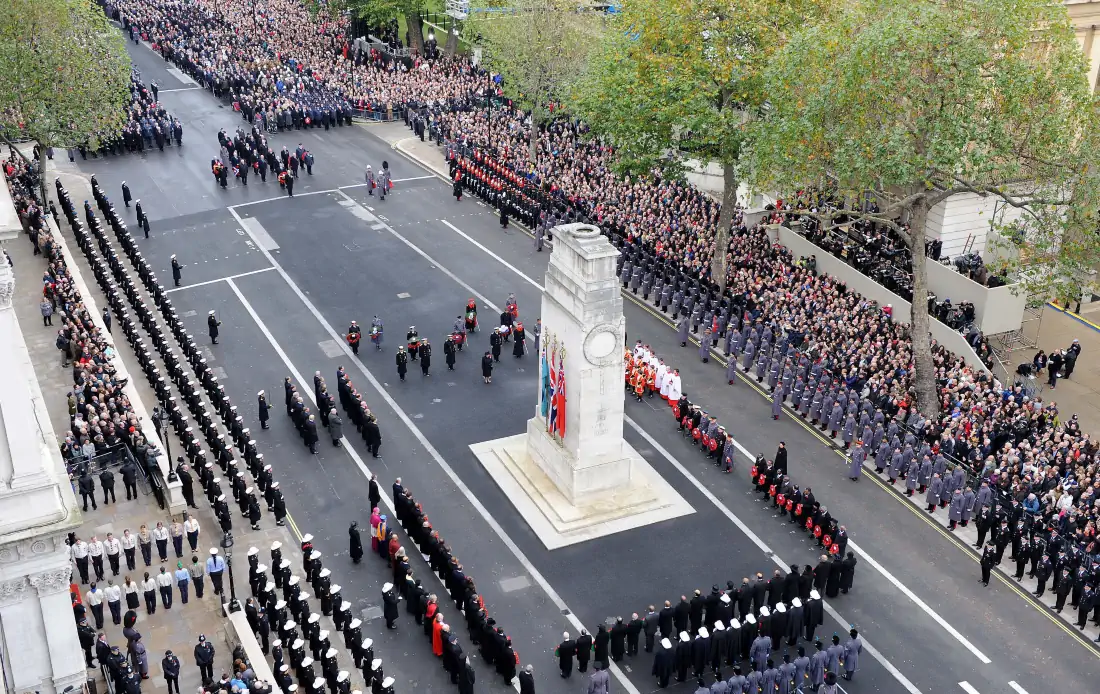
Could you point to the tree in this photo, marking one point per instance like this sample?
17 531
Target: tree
684 77
64 74
914 101
540 47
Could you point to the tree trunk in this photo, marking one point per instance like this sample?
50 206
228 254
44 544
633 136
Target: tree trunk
42 189
533 136
725 218
416 32
451 47
924 376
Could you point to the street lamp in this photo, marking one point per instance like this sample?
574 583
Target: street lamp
234 604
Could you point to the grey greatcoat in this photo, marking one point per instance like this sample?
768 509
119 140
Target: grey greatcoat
335 426
704 346
852 650
835 417
731 371
897 465
749 352
733 339
934 489
882 457
682 330
968 505
849 429
777 403
912 475
955 510
858 456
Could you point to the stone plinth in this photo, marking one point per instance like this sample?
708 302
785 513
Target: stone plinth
589 482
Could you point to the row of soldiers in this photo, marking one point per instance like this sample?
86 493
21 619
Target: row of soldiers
170 411
495 646
509 194
289 615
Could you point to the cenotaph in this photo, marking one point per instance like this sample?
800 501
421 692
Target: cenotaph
572 475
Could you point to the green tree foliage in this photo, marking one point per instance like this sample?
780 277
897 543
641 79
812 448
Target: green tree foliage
380 11
539 46
914 101
64 73
676 77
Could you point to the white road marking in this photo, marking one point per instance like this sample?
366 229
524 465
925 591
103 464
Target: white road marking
220 279
968 689
180 75
257 232
870 560
394 180
475 503
182 89
493 255
875 653
1017 688
281 197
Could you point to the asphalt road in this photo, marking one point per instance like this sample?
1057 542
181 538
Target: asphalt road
302 268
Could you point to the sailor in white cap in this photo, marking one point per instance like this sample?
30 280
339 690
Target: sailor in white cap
215 565
212 324
389 605
177 269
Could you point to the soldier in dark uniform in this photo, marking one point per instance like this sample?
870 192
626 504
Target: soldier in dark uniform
177 272
212 324
425 356
402 362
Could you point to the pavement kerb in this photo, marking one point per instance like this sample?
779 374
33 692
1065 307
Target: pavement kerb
1074 316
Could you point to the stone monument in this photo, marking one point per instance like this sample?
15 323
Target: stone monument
572 475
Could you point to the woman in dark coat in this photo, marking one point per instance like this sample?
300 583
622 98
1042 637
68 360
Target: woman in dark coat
603 639
520 346
487 367
832 583
356 542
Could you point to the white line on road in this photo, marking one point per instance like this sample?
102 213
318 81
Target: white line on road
466 236
182 89
220 279
475 503
281 197
968 689
886 574
257 231
394 180
875 653
1017 688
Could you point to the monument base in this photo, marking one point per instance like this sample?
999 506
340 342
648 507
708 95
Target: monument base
560 519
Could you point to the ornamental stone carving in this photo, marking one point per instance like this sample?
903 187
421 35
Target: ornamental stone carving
50 582
38 547
13 591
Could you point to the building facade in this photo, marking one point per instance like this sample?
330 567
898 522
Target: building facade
39 647
1085 15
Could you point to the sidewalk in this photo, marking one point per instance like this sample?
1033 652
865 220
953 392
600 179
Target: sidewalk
1081 393
178 628
427 153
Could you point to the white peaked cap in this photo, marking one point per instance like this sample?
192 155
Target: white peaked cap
387 683
387 587
342 676
330 653
815 595
703 633
298 643
355 623
307 538
796 603
319 682
261 568
665 643
734 624
725 598
281 605
314 618
781 608
307 661
325 573
376 664
684 636
252 551
718 626
764 611
749 619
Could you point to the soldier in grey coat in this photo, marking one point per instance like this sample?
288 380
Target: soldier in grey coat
625 272
912 479
835 420
849 430
733 340
636 279
746 361
731 370
853 648
968 505
335 427
677 302
666 297
704 347
682 331
858 456
955 512
777 404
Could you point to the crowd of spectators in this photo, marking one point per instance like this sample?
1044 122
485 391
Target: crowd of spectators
147 125
101 418
278 54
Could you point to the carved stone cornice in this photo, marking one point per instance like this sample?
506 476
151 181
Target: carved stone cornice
53 581
14 591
